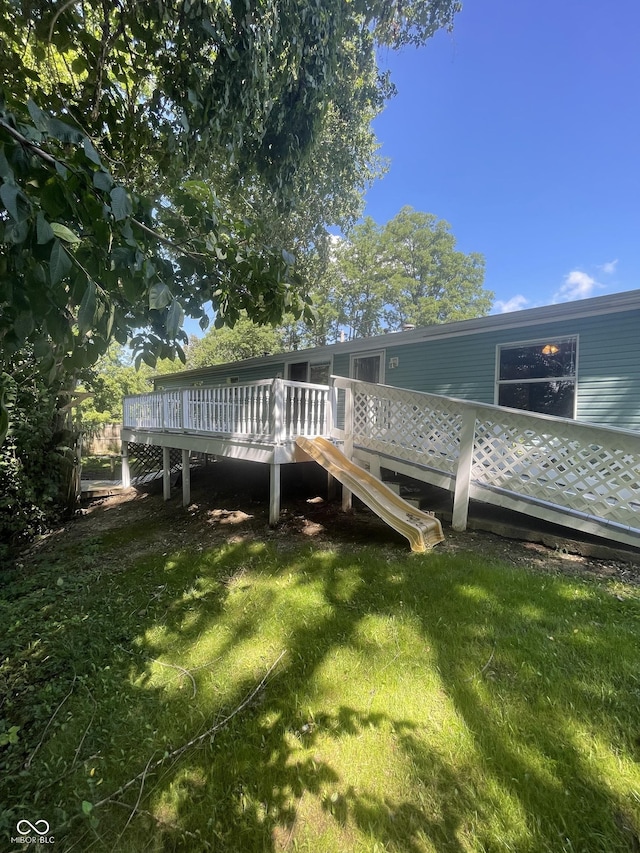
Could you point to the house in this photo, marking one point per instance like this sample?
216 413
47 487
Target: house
536 411
578 360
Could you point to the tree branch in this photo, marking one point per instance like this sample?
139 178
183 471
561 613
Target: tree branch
51 161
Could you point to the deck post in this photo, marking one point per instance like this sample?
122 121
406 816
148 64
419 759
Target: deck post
278 411
166 473
374 467
186 419
274 493
463 471
186 478
329 421
347 497
126 471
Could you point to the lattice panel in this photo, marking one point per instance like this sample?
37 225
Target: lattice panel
395 423
146 459
562 465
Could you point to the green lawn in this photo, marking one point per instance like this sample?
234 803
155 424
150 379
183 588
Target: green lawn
101 467
422 703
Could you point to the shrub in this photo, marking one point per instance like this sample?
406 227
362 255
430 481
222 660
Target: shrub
36 457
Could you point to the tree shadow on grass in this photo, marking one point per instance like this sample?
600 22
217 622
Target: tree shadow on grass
272 777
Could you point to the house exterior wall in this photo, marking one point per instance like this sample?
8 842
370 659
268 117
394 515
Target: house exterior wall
463 363
608 368
220 373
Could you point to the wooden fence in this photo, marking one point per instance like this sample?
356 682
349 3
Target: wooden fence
104 442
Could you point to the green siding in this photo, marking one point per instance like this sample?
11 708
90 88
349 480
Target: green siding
464 365
608 365
341 364
219 374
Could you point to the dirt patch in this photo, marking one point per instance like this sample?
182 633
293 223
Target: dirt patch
230 504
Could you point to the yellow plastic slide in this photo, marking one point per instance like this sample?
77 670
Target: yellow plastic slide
421 529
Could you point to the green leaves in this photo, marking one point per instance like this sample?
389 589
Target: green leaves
15 201
175 158
60 263
87 311
64 233
90 152
44 231
175 319
159 296
120 203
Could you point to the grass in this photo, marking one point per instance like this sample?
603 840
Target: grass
107 467
423 703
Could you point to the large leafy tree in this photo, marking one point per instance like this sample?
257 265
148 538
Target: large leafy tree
362 289
244 340
428 279
406 272
136 139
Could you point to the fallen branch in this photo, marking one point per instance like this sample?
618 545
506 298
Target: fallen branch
135 808
176 753
86 731
485 667
27 763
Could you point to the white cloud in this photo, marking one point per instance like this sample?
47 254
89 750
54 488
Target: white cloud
609 268
516 303
577 285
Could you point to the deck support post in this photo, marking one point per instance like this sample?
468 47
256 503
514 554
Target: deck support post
274 493
374 467
186 478
463 471
166 473
332 487
347 497
126 470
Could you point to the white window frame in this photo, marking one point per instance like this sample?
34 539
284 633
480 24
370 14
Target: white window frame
534 343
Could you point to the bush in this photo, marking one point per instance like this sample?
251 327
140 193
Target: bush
36 457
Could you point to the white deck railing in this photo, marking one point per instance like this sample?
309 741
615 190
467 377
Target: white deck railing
568 472
564 471
275 410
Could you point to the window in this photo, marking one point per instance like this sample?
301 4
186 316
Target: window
368 368
317 373
539 376
298 371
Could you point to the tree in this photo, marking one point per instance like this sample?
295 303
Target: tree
428 280
36 457
244 340
361 294
133 136
407 272
109 380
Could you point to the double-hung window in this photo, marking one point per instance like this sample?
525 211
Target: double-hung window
538 376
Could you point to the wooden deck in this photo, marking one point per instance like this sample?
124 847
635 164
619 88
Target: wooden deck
578 475
257 422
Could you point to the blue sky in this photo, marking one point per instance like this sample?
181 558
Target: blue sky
521 128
